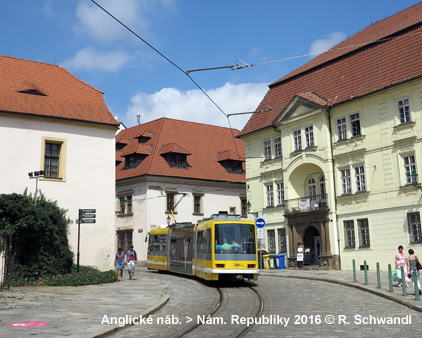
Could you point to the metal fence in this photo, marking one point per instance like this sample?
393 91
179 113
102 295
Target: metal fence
5 256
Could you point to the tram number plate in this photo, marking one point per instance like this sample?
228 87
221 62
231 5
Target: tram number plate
260 233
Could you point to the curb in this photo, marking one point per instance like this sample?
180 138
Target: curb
148 312
356 286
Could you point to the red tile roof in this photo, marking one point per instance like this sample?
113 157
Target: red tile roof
201 141
40 89
173 148
382 55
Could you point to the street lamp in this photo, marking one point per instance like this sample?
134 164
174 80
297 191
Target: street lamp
36 175
168 220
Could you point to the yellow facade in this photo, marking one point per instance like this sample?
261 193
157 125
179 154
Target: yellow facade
350 198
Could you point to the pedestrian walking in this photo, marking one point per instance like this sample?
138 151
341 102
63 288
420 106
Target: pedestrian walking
412 264
299 257
131 258
119 263
401 262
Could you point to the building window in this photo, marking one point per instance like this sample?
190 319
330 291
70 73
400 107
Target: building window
341 129
363 229
414 221
322 185
280 193
297 140
170 202
52 158
176 160
133 160
244 207
311 187
270 195
277 147
345 181
360 178
282 240
125 205
271 241
355 124
309 136
53 155
404 110
410 170
197 204
267 149
349 234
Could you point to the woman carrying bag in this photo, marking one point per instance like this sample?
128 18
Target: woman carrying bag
413 263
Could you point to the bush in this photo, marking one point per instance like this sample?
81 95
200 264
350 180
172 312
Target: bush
39 237
86 276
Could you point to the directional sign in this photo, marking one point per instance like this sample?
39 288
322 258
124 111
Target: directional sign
87 215
88 211
260 222
88 220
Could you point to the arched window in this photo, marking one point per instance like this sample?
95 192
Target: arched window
311 187
322 185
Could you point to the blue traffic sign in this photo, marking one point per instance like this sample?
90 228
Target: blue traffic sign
260 223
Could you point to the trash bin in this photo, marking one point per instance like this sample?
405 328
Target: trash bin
280 260
273 264
266 260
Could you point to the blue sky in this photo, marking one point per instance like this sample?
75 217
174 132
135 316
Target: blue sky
193 34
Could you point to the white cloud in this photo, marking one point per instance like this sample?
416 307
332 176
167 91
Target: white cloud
322 45
89 59
133 13
194 106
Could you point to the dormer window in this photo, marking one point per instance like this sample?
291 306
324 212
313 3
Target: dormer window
176 160
232 166
133 160
145 136
31 92
175 155
230 161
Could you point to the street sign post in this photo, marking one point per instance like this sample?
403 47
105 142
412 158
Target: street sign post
85 216
260 222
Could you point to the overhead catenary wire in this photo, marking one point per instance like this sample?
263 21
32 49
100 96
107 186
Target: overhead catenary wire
175 65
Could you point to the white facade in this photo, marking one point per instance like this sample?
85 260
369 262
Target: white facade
149 204
87 175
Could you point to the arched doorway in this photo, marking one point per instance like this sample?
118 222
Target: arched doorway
312 241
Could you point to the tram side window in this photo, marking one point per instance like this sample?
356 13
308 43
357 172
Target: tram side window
152 239
162 244
202 245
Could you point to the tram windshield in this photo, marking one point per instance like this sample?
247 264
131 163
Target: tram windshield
235 238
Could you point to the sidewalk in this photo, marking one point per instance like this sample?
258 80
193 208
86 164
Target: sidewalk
346 278
79 311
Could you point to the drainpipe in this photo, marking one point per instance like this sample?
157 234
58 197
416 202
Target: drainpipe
335 184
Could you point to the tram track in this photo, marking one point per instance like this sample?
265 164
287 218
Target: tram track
231 298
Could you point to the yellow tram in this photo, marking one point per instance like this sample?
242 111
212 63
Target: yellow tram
221 247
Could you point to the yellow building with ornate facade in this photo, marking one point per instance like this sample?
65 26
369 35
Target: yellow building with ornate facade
334 150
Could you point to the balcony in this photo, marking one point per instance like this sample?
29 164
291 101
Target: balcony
306 204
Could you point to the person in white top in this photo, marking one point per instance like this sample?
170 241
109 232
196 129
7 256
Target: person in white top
299 256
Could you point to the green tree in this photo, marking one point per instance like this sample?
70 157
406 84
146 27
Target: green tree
40 245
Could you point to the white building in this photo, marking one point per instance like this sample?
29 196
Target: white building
193 169
52 121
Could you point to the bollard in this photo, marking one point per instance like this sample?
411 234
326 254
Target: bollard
390 279
403 282
354 271
366 272
415 283
378 276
